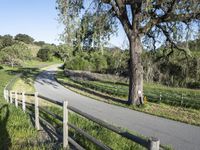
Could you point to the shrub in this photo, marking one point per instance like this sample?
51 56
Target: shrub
78 63
1 67
15 54
44 54
99 62
193 85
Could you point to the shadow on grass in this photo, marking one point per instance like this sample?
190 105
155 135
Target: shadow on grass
28 74
5 141
48 135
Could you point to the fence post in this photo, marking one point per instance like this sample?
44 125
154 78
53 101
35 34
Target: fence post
23 102
4 93
7 96
154 143
16 99
11 99
37 123
65 125
160 96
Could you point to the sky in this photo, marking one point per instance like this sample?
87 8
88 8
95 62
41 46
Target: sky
37 18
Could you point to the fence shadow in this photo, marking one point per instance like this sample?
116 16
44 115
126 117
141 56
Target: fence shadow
5 140
46 133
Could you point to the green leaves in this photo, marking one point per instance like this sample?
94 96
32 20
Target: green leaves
15 54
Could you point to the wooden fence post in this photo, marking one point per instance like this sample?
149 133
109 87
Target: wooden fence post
4 93
65 125
37 123
11 99
16 99
154 143
160 96
23 102
7 95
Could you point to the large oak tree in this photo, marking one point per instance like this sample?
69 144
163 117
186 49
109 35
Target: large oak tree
147 21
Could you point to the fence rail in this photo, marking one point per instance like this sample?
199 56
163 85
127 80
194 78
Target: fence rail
13 97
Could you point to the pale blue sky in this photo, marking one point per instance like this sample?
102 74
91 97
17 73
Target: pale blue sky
37 18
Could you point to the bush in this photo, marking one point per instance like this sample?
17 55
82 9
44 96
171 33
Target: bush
193 85
15 54
99 62
1 67
44 54
78 63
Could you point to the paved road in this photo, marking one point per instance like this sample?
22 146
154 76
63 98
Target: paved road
181 136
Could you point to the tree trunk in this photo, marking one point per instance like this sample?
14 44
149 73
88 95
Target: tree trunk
135 71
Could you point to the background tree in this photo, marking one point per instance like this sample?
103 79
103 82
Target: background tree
150 21
15 54
6 40
24 38
39 43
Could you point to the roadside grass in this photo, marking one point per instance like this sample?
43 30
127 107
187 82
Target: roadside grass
178 113
154 92
16 129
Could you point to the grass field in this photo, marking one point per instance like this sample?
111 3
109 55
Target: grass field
110 92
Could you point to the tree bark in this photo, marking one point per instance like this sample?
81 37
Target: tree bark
136 71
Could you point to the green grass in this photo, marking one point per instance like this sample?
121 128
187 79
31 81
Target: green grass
174 112
16 130
29 72
39 64
154 92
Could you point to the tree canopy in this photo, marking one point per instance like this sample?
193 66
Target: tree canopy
24 38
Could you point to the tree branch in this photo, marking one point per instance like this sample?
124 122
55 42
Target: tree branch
119 8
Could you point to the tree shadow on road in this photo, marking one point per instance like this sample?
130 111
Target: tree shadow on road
5 140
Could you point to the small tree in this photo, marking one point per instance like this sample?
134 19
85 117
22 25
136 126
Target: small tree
15 54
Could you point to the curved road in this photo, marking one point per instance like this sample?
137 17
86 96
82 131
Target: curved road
181 136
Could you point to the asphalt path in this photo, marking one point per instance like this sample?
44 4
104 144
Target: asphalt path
180 136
